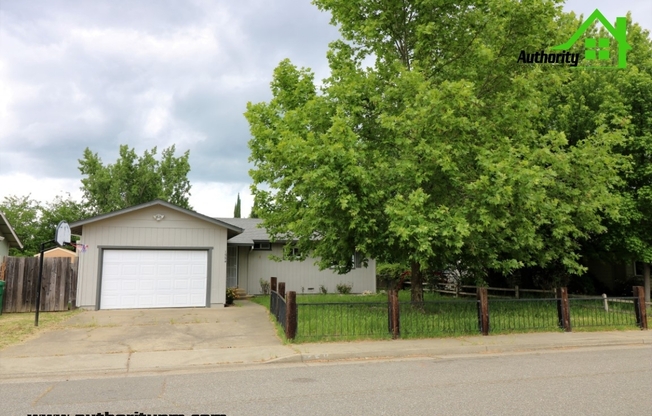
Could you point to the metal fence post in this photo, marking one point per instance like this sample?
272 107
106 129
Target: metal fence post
273 281
394 314
606 302
291 315
639 307
563 309
483 310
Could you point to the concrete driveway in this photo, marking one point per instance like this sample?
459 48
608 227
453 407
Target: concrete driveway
149 339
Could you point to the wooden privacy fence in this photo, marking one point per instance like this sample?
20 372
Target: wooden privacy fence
59 284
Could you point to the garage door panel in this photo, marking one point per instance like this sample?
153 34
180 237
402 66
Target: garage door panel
197 284
148 284
165 299
153 278
146 301
181 285
130 285
164 269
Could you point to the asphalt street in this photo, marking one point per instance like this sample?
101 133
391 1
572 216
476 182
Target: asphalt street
588 381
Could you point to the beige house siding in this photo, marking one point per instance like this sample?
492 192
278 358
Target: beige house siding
300 276
138 229
243 270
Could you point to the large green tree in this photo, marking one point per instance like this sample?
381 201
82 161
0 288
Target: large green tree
444 152
134 179
22 213
596 97
35 222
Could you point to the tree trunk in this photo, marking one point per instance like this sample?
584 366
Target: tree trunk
646 281
417 284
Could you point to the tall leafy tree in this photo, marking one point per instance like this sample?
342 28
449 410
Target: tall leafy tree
22 213
35 222
237 208
442 153
613 97
254 211
134 179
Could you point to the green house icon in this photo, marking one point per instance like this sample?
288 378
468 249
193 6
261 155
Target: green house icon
598 49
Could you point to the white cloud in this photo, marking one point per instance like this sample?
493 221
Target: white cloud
40 189
218 199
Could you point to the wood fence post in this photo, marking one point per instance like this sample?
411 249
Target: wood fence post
563 309
273 284
291 315
516 294
394 314
483 310
281 289
639 306
605 302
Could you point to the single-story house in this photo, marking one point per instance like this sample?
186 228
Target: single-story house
248 261
157 254
8 237
58 252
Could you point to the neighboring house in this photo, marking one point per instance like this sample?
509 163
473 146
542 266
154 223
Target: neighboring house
248 261
612 275
8 237
157 255
58 252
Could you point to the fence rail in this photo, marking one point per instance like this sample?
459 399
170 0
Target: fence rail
283 307
58 287
452 289
278 307
448 316
327 320
590 312
456 317
523 314
438 318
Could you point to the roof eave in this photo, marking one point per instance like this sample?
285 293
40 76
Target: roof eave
10 234
77 226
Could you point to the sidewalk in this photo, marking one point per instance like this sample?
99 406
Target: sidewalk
492 344
123 363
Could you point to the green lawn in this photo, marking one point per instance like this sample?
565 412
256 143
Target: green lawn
355 317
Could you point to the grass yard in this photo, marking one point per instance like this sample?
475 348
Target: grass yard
355 317
17 327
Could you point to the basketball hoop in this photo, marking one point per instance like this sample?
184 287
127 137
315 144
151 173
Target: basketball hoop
80 248
62 235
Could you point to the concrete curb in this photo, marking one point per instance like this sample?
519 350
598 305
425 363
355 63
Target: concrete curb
459 350
174 361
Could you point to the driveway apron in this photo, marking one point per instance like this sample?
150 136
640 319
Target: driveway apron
149 339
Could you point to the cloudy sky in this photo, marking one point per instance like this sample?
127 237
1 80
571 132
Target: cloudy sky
97 74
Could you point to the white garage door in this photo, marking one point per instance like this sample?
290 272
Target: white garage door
153 279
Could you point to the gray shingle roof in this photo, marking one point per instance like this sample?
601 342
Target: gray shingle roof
251 231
